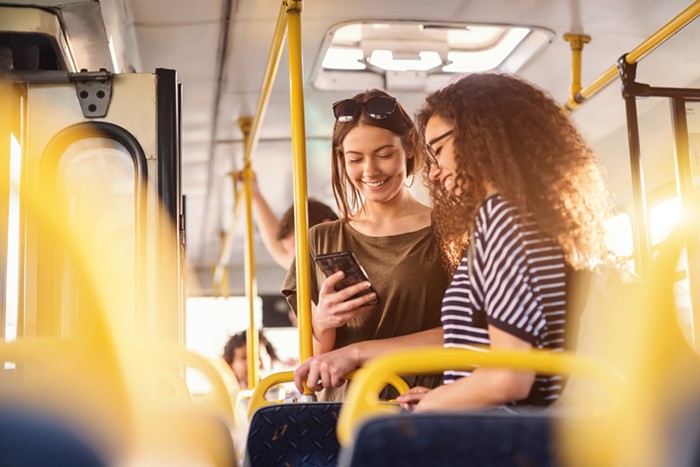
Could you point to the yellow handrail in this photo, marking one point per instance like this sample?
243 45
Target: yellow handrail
258 400
251 144
362 401
639 52
253 350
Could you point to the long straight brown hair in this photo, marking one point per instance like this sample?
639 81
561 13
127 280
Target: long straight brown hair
399 123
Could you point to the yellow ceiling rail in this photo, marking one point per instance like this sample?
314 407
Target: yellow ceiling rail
639 52
273 61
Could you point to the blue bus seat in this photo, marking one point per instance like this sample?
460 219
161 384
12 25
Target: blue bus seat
468 439
293 435
35 440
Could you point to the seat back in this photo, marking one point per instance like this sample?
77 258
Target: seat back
36 440
467 439
294 434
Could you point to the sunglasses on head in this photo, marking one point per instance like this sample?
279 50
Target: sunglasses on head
378 108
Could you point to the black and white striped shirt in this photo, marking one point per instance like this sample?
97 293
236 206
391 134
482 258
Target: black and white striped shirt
519 286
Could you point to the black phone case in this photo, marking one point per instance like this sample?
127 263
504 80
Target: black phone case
347 262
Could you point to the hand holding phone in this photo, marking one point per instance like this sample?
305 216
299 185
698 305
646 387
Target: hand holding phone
347 262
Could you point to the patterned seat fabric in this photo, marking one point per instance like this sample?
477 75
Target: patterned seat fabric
465 440
302 434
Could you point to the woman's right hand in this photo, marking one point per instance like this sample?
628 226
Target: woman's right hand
238 176
335 308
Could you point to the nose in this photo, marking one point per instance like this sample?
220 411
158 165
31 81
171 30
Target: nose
370 167
434 172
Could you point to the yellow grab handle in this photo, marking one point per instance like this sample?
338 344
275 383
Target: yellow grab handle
257 399
363 402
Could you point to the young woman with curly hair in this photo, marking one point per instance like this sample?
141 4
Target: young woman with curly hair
376 151
518 199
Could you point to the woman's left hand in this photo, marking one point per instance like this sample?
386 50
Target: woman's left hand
412 397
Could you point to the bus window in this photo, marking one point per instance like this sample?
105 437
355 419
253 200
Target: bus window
98 176
663 218
692 113
12 257
618 235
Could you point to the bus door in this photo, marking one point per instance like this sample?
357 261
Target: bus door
110 144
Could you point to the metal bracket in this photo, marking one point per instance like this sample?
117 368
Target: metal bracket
628 75
293 5
94 90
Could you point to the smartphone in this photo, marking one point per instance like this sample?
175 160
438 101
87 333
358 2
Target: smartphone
347 262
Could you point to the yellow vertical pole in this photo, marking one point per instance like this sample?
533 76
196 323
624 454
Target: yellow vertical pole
221 289
296 78
250 283
576 41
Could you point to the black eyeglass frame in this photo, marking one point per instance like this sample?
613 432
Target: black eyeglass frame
355 111
432 157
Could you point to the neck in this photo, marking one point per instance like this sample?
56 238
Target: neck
401 205
402 214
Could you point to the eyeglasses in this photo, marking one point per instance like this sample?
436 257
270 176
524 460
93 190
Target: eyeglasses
379 108
432 157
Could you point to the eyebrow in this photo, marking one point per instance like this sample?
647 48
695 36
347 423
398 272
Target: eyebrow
380 148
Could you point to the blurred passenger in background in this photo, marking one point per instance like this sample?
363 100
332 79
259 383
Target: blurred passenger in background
278 234
236 355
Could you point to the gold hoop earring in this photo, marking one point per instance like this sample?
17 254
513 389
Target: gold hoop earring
413 178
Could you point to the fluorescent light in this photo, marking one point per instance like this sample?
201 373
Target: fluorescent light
474 37
348 35
343 59
484 60
386 60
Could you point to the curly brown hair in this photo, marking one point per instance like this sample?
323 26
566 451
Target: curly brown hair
514 136
399 123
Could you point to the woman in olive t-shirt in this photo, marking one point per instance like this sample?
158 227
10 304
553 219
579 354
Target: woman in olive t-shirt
375 149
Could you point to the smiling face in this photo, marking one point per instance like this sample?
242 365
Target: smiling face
441 144
375 162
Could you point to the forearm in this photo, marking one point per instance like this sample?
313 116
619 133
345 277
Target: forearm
486 387
268 224
323 341
368 350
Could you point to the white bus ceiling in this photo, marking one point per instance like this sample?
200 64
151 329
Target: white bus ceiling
219 49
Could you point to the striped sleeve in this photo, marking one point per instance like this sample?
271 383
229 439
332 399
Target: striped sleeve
513 278
502 273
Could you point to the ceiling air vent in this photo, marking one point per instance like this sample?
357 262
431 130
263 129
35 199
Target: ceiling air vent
420 56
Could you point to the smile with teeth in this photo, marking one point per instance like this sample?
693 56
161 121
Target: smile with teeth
375 184
447 182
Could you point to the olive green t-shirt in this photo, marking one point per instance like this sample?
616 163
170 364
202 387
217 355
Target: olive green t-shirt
405 270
